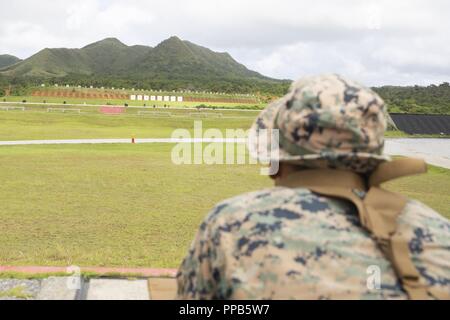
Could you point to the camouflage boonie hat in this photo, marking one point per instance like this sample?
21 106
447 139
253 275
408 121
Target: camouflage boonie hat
324 121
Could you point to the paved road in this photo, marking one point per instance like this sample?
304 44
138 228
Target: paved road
434 151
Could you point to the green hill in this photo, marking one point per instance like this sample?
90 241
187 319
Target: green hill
174 58
173 64
7 60
50 63
110 56
171 59
432 99
104 57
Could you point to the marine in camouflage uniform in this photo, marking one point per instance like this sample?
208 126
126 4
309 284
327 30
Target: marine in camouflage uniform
292 243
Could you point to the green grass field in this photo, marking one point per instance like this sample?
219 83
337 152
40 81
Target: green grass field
38 124
126 205
123 205
35 123
107 204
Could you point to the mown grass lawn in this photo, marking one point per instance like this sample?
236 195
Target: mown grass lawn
126 205
431 188
113 205
37 125
123 205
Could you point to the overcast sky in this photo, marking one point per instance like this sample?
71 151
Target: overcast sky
376 42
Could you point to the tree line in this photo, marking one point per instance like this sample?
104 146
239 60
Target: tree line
432 99
230 85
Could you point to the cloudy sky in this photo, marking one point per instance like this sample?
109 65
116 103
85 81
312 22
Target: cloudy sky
376 42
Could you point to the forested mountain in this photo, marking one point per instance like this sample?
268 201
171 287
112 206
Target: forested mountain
7 60
433 99
108 56
173 64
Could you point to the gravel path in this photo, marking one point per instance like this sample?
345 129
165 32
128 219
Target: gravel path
28 289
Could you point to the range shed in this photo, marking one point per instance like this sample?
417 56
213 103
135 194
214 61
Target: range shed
422 123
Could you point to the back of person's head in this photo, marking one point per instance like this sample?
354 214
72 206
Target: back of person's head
325 121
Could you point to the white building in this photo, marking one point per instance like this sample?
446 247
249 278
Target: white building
166 98
146 98
152 98
180 99
159 98
133 97
139 97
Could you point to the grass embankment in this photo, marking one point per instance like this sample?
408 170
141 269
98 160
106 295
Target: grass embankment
401 134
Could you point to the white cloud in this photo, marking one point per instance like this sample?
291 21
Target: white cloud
377 42
80 14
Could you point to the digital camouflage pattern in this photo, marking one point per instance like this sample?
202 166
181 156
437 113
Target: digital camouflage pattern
324 121
291 243
284 243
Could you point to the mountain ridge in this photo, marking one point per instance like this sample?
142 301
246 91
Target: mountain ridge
7 60
171 65
110 56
